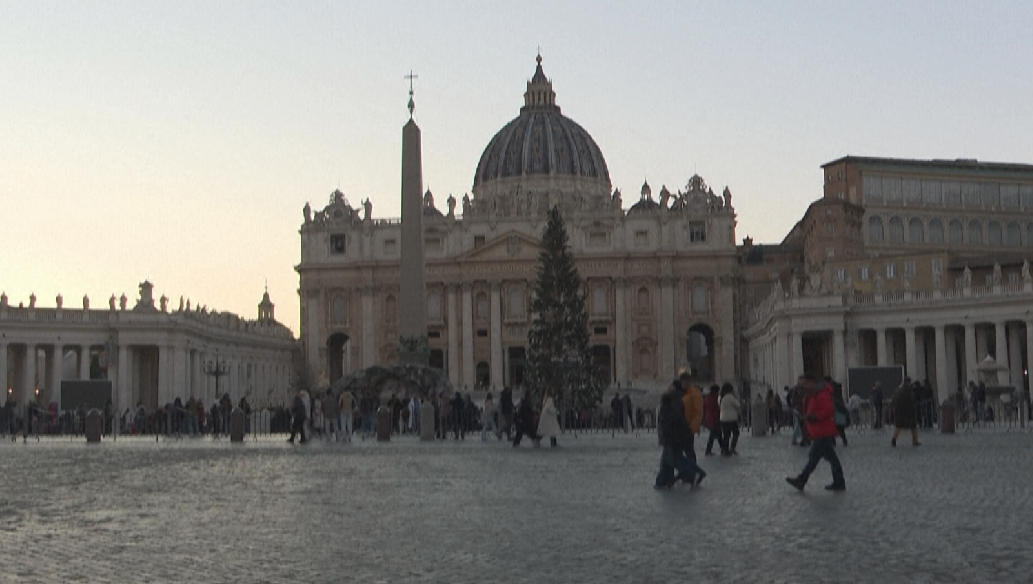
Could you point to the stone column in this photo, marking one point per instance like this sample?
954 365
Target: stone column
1015 355
839 357
84 362
667 318
783 374
1001 347
620 357
124 379
943 388
910 360
469 374
796 342
55 374
496 336
369 351
1029 353
164 368
4 371
880 347
28 375
179 384
453 337
970 353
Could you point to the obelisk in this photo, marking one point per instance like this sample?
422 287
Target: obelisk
412 346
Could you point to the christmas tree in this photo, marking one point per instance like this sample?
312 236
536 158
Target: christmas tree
559 358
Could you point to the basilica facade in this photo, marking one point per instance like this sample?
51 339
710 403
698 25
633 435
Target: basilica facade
659 275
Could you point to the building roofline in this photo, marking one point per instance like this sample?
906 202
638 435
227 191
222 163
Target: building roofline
956 164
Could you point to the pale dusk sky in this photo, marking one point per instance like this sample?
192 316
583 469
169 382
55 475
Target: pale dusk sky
179 141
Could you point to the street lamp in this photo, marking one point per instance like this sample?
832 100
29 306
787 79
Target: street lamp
216 369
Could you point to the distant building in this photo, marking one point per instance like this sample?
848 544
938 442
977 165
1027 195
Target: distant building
659 277
151 354
911 262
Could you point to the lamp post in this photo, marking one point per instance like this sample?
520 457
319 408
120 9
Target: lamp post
216 368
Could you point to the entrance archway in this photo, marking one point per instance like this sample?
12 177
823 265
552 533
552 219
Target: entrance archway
602 356
517 362
335 347
699 351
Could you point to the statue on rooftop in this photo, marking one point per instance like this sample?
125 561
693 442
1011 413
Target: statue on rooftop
307 211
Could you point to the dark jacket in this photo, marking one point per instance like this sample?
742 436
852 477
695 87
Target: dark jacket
712 410
298 409
904 408
506 402
674 430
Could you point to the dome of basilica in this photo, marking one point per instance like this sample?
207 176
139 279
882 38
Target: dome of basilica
541 142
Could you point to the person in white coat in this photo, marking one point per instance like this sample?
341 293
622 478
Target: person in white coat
730 410
548 424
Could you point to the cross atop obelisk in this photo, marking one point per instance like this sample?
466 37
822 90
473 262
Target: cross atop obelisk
412 104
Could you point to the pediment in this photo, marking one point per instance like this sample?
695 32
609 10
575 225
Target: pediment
511 245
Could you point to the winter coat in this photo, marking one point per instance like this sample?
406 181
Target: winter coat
525 415
712 407
674 430
904 408
819 414
730 408
692 401
298 409
548 425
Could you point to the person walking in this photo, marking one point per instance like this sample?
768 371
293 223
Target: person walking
629 412
904 413
548 423
488 419
712 420
842 415
617 411
821 427
299 413
525 422
331 417
676 437
506 410
346 412
730 410
876 399
458 408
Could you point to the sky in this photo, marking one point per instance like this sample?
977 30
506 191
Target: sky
179 141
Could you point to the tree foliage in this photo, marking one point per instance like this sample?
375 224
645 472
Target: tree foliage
559 357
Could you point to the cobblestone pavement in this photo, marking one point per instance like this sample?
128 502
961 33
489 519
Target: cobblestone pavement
957 509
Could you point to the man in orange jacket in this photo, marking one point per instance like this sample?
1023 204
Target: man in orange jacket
819 415
692 401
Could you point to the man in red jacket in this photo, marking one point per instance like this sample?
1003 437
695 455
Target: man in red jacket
819 416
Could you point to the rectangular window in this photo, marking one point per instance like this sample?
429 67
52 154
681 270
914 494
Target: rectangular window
432 244
841 274
891 271
482 333
1013 277
699 299
830 229
909 269
597 239
641 238
390 247
937 267
478 240
337 241
830 252
697 232
864 273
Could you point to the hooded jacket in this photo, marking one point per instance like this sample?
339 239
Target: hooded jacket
693 403
821 407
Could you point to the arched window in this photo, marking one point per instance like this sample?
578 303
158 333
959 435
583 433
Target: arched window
644 362
935 231
1014 234
875 229
643 301
915 231
338 310
955 232
896 230
994 236
975 233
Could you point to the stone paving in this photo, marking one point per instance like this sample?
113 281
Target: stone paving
957 509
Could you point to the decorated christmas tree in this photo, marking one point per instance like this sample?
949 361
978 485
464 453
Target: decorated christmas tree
559 358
